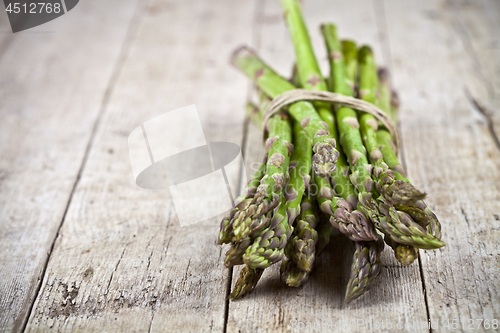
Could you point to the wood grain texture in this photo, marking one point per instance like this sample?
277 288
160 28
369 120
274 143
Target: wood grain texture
450 154
477 24
397 296
122 262
52 84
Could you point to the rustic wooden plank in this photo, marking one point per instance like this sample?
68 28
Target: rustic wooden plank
451 155
52 87
477 25
397 296
122 262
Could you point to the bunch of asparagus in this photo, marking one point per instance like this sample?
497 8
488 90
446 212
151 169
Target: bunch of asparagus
326 167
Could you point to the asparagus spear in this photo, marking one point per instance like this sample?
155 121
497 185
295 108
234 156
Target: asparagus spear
325 155
268 247
270 240
339 204
325 230
365 268
385 94
234 256
389 101
226 233
245 207
394 191
366 265
420 212
348 126
292 275
255 215
405 254
300 167
246 282
300 250
403 229
308 74
350 54
396 196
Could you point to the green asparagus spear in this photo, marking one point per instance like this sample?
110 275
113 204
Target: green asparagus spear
394 191
268 247
365 268
394 194
246 282
404 230
385 94
258 215
267 195
301 249
234 256
300 168
350 54
308 74
226 233
420 212
389 101
349 133
325 230
292 275
405 254
338 200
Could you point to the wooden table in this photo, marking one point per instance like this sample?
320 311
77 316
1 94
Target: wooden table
83 248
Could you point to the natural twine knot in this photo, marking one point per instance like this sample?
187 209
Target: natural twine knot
296 95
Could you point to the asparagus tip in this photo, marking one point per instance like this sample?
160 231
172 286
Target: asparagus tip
240 51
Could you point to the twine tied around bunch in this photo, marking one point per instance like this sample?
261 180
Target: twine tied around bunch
296 95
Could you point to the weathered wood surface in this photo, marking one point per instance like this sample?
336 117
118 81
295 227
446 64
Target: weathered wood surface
121 261
477 24
451 154
53 82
